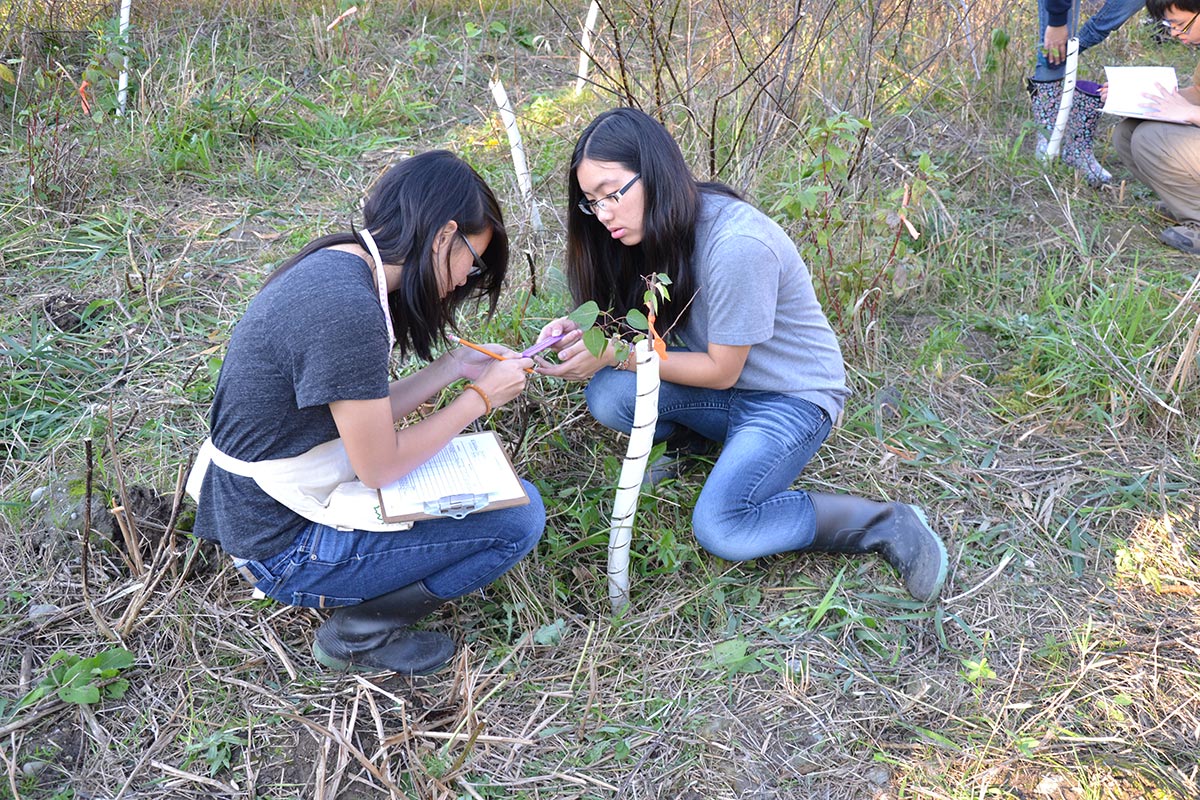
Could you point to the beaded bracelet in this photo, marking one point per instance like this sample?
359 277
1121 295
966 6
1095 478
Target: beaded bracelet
487 403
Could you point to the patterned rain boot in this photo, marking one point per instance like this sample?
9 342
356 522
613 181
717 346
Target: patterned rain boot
1044 97
1076 145
1081 130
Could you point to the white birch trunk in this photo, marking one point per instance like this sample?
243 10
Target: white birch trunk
585 50
964 19
517 146
633 469
123 80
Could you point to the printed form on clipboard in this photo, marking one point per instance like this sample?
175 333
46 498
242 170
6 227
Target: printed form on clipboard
471 473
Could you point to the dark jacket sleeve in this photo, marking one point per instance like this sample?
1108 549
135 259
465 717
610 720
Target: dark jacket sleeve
1058 11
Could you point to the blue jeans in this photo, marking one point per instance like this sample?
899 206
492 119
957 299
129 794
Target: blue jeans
325 567
746 508
1111 16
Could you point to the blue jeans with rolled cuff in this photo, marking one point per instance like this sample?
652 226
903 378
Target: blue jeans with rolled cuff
1107 19
747 507
326 567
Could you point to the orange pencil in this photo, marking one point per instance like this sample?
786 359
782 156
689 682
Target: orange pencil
477 348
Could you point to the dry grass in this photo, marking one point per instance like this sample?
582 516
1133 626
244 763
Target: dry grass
1094 680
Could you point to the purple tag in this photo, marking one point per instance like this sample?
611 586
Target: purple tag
542 345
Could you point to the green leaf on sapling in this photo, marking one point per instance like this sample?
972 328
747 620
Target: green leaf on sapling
585 316
595 341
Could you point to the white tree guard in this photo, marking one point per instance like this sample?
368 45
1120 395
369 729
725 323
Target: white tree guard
517 146
1068 97
633 469
123 80
585 49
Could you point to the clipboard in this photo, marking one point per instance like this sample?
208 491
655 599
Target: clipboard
471 473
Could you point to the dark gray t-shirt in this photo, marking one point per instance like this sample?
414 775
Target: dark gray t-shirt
313 335
755 290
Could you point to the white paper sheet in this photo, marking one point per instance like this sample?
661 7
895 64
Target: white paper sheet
1128 85
473 463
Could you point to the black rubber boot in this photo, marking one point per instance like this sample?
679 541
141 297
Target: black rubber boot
374 635
898 532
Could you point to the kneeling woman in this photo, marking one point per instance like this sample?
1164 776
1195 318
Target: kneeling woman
762 372
303 406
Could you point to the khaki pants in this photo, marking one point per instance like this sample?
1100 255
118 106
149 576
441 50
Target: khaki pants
1165 157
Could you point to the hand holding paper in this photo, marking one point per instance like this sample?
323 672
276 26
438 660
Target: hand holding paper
1171 106
1144 93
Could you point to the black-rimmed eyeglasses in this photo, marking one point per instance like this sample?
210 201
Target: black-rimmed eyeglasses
479 267
1171 26
601 204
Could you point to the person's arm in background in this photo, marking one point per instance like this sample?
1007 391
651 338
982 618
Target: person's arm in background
1108 18
1054 40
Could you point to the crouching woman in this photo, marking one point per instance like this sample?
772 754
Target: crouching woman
302 425
760 371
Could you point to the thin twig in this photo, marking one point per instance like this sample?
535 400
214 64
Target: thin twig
85 545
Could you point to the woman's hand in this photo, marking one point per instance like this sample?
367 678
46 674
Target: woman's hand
501 381
380 454
1055 44
469 364
565 327
575 361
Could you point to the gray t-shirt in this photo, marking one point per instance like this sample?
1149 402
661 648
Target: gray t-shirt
755 290
313 335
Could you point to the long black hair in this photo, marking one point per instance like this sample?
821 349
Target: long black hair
602 269
405 211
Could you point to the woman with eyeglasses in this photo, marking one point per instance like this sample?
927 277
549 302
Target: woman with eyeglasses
304 405
757 368
1046 85
1166 155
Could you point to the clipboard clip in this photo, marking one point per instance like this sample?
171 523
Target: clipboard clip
456 505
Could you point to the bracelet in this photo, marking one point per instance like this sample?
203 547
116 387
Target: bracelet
623 364
487 403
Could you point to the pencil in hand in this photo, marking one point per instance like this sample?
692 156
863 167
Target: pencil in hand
478 348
